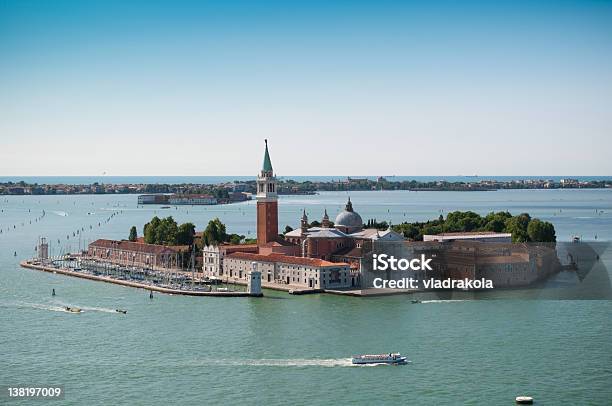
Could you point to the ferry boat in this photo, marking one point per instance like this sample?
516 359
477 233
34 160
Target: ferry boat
392 358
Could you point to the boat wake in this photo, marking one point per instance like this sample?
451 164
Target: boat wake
444 301
60 213
39 306
98 309
90 308
60 307
297 362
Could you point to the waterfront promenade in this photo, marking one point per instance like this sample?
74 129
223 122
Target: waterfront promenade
291 289
101 278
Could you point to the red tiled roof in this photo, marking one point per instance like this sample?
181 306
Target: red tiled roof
279 243
229 248
354 252
138 246
286 259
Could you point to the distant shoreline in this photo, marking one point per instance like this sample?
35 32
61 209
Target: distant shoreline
234 190
219 179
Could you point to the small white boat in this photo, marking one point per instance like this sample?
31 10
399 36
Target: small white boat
392 358
524 400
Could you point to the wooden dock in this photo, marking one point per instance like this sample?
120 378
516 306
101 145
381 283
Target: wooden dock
67 272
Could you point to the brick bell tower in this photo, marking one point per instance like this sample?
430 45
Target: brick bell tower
267 203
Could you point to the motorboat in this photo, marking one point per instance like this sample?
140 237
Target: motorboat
415 301
392 358
121 311
72 309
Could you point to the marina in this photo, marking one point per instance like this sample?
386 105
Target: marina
136 278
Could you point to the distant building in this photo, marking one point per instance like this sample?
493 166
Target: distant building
346 235
127 253
152 199
505 264
239 196
177 199
240 187
289 270
191 199
482 236
213 256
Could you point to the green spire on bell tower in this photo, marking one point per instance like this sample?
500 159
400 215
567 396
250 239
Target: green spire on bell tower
267 164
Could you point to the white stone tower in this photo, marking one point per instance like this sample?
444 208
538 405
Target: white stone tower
254 280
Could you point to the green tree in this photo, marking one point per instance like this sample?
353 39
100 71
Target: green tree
166 232
215 232
150 230
133 234
288 229
517 225
496 221
458 221
235 238
162 231
185 234
541 231
409 230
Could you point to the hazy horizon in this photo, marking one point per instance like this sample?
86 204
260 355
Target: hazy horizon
191 88
204 179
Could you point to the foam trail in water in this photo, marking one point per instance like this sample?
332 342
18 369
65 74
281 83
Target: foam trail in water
39 306
297 362
444 301
90 308
99 309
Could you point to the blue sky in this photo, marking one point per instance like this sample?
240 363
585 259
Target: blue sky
338 87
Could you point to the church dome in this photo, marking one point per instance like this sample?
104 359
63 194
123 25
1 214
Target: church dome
349 219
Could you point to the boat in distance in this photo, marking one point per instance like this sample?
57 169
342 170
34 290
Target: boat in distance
392 358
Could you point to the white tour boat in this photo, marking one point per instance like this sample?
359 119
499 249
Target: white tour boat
390 358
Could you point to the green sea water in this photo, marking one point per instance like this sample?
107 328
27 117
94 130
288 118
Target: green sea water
465 348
